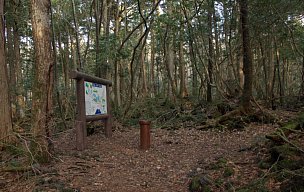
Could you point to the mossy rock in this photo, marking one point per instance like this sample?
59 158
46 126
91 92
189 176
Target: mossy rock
264 164
294 184
200 183
295 124
261 117
287 157
236 123
224 107
290 164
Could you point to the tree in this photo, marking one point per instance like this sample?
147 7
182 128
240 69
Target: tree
169 54
5 108
210 52
43 82
247 60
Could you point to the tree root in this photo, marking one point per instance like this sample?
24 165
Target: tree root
16 169
281 134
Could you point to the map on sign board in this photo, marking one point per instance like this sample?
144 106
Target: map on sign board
95 98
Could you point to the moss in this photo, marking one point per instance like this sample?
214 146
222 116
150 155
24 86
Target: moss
15 150
221 163
290 164
195 185
254 186
218 182
236 123
224 107
283 152
40 155
294 184
229 186
264 165
200 183
187 117
228 171
295 123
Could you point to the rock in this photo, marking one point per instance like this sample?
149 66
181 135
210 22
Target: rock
200 183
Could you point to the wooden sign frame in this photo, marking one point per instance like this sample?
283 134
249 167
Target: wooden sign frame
81 117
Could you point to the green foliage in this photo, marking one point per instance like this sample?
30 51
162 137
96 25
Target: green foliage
258 185
15 150
198 184
221 163
228 171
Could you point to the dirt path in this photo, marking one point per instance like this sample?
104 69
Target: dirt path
117 164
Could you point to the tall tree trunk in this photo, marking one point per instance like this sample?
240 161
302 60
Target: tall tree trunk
169 56
43 83
211 54
12 68
143 71
6 130
152 66
76 28
117 94
182 69
278 67
98 17
271 74
104 68
302 84
247 60
20 104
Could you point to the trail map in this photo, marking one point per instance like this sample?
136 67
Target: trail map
95 98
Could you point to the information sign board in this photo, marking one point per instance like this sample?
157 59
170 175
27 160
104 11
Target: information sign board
95 98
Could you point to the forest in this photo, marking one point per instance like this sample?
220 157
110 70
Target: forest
220 81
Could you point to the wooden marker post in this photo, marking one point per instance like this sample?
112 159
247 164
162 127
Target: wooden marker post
145 140
82 117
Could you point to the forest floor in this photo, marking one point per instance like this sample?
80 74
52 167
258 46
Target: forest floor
227 159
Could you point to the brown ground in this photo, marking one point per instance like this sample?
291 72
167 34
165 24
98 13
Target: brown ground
117 164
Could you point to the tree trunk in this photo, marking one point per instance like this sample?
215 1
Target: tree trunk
12 68
152 66
43 82
6 130
169 57
302 84
143 71
182 70
104 69
247 60
76 35
117 94
278 66
20 104
271 74
97 15
210 56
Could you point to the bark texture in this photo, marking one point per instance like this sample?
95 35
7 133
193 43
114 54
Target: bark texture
5 108
43 82
247 60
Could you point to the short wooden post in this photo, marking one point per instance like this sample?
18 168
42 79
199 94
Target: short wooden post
145 134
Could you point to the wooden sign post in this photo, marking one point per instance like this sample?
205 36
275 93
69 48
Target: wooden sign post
93 104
